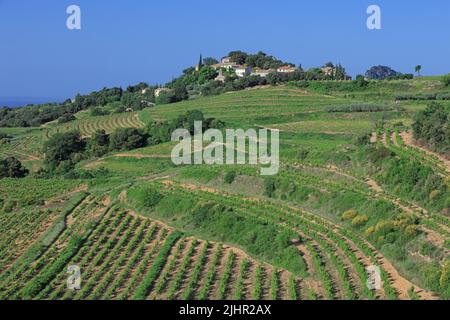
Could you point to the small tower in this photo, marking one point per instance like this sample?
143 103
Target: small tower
200 64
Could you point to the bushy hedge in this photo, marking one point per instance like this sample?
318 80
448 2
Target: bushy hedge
423 97
359 108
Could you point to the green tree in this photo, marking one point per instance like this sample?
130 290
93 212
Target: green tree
180 92
126 139
230 176
418 68
96 112
62 146
206 74
446 80
166 97
432 126
187 120
98 145
65 118
12 168
209 61
238 57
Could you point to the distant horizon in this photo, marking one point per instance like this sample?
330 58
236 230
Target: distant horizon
22 101
16 102
126 42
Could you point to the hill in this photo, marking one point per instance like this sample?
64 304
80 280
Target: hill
354 190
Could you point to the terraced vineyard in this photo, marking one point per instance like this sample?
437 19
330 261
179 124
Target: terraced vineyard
336 259
126 256
139 227
109 123
26 146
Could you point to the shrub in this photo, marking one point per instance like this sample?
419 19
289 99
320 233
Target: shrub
230 177
146 197
166 97
98 145
61 146
349 214
360 220
152 198
303 154
375 154
434 194
446 80
363 139
4 136
96 112
68 117
9 206
432 126
126 139
269 187
12 168
359 108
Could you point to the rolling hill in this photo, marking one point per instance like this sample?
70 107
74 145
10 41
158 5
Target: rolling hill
146 229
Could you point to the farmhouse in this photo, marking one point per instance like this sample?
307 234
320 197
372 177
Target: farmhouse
329 71
286 69
262 72
242 71
158 91
226 63
220 77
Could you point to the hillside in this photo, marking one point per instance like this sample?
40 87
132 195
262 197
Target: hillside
354 190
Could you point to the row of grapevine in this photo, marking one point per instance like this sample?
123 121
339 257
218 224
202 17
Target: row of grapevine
328 237
109 123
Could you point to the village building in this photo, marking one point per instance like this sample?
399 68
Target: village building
262 72
286 69
225 60
220 77
242 71
158 91
226 63
329 71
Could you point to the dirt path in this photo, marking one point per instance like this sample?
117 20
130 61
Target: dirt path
142 156
384 140
373 138
409 141
191 267
373 185
400 284
436 238
94 164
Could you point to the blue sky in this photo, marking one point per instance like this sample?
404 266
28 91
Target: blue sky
127 41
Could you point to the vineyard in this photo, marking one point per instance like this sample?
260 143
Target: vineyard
335 259
140 228
90 125
126 256
25 146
